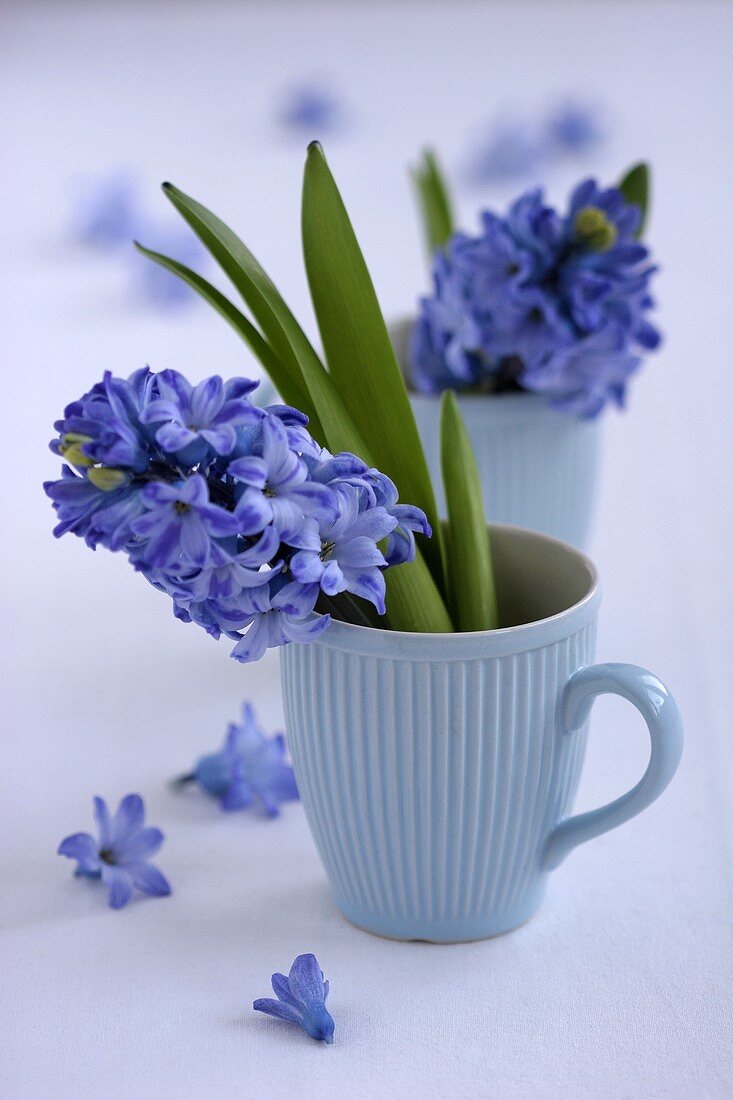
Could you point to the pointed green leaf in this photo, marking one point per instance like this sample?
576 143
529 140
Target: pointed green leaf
413 599
435 204
278 324
358 350
636 187
281 379
256 288
473 597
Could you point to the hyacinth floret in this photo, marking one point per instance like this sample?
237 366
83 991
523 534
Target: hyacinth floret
234 511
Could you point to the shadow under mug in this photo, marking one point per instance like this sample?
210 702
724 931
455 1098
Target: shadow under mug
438 771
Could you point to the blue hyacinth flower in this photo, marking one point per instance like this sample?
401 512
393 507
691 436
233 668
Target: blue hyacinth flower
543 301
120 856
211 498
251 769
301 999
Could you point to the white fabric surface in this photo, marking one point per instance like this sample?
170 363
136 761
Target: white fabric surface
620 987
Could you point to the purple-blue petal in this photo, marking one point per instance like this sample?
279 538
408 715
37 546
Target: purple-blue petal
149 880
281 1010
306 980
119 885
128 820
83 848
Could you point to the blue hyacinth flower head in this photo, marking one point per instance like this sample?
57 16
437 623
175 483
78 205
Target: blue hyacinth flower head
251 769
120 855
301 999
234 511
553 303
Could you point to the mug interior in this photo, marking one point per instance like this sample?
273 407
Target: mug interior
536 576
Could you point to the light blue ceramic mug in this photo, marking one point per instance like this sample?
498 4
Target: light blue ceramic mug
438 771
539 467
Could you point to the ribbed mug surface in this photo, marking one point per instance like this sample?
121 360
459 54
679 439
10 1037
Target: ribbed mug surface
539 466
432 767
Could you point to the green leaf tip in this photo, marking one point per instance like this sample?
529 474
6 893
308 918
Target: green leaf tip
358 350
358 347
635 186
434 200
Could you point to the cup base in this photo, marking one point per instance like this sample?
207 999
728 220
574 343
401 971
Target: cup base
441 932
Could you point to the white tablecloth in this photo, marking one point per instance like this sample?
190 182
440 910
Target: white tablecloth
619 987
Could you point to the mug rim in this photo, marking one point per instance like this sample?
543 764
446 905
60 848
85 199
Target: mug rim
372 641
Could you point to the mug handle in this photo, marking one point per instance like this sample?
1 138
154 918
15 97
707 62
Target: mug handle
659 710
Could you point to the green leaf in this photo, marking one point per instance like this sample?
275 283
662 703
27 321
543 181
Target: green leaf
435 204
282 331
636 187
413 599
473 596
289 390
358 350
256 288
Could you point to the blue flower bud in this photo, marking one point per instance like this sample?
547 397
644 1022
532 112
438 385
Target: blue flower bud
106 478
71 448
594 228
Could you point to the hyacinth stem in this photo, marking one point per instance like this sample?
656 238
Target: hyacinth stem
183 780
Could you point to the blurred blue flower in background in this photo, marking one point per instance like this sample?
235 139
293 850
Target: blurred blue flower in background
311 109
154 284
120 857
505 151
251 769
107 215
521 148
575 127
105 210
301 999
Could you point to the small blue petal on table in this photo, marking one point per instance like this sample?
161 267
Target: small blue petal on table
251 769
301 999
120 854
